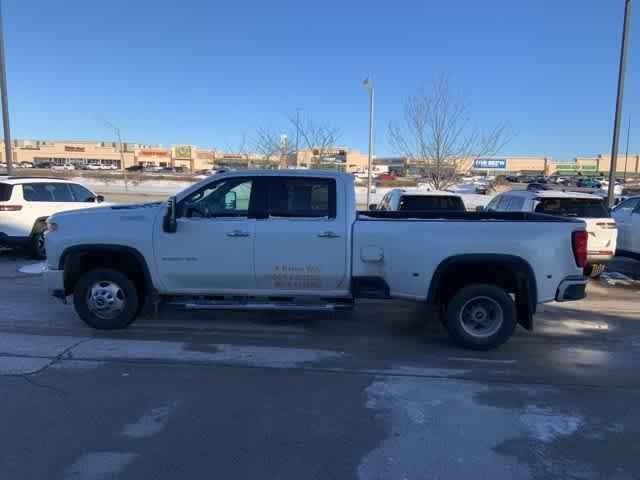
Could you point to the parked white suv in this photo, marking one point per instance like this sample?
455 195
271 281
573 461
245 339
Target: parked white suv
603 234
627 217
399 199
27 202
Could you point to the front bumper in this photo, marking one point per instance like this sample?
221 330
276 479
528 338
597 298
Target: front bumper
54 282
571 288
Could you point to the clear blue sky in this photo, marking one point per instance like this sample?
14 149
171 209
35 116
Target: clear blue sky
205 72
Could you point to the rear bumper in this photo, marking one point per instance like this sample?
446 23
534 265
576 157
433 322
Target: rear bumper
571 288
13 241
594 258
54 282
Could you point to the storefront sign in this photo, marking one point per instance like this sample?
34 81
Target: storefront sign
69 148
490 164
154 153
182 151
575 167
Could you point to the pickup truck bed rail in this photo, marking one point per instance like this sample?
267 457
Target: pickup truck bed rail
463 216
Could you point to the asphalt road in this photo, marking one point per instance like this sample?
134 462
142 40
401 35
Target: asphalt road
377 393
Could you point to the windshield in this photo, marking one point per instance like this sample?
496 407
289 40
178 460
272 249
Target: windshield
423 202
573 207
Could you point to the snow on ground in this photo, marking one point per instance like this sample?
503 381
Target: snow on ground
33 268
159 187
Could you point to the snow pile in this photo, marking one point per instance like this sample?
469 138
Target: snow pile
33 268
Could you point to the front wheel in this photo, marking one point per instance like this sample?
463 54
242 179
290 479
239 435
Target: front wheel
37 244
106 299
480 316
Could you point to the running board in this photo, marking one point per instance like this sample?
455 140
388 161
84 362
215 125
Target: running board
260 305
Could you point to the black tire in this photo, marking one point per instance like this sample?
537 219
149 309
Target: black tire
37 242
499 309
594 271
110 287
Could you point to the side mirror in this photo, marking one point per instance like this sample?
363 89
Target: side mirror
99 198
169 223
373 206
230 201
480 208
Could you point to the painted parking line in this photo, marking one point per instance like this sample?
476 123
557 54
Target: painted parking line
482 360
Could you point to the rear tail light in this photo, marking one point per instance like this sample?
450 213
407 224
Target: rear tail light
10 208
579 246
606 224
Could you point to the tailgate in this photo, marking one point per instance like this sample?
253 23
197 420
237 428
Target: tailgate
603 235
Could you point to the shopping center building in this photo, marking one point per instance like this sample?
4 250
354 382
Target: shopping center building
517 165
187 157
191 158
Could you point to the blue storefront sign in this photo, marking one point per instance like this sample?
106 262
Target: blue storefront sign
490 163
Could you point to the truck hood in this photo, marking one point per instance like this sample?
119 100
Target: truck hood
95 216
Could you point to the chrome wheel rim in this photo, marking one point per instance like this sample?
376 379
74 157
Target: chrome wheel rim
40 244
106 299
481 317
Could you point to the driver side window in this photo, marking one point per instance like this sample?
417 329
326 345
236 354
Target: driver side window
226 198
628 206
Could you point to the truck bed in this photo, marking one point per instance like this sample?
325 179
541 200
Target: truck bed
463 216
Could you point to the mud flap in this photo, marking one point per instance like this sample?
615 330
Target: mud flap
525 303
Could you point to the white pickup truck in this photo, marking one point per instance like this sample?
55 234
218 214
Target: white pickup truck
293 240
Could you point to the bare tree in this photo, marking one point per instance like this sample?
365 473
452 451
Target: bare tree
319 138
436 132
269 145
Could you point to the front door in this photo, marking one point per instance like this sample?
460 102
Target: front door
624 221
634 231
301 247
211 251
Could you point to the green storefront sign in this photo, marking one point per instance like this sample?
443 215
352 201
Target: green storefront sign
575 167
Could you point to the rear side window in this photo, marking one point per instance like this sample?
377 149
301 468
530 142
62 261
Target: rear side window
572 207
629 205
301 197
47 192
432 203
5 192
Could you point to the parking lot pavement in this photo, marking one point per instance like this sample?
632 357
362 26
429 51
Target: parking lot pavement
373 393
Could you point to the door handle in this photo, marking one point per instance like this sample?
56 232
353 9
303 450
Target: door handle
328 234
237 233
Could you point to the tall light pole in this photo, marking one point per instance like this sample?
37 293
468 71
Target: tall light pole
619 98
369 85
5 103
626 153
117 132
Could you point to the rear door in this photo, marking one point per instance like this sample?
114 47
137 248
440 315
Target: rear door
301 247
